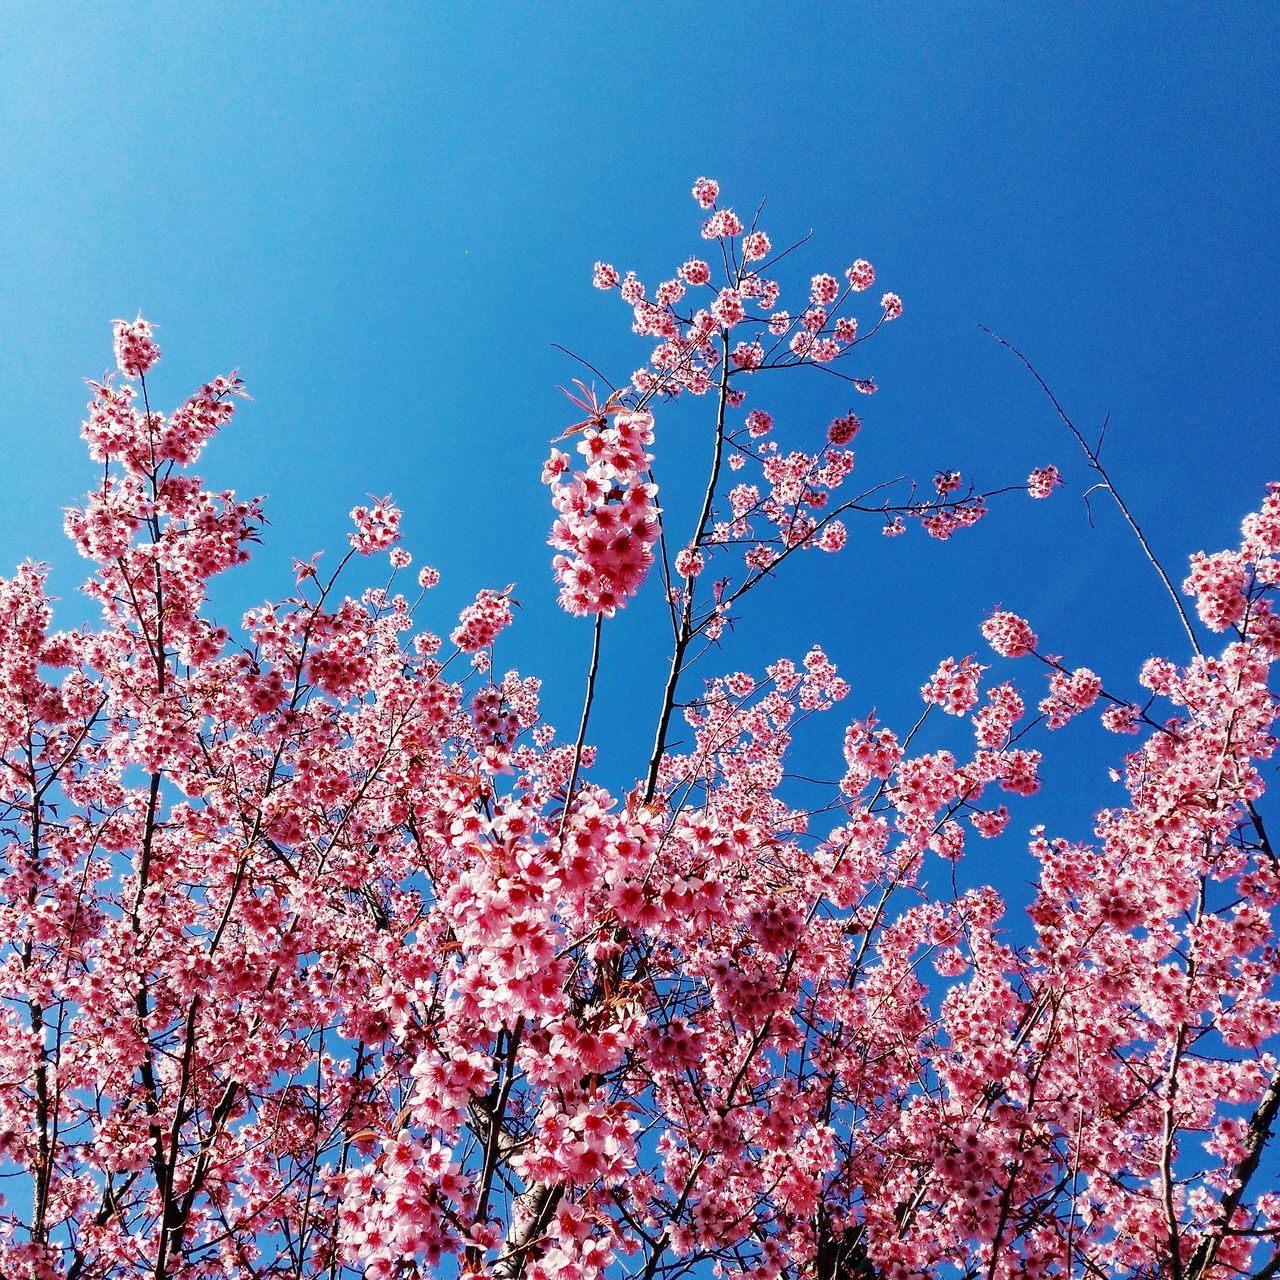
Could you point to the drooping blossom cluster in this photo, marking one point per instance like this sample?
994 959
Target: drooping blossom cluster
607 517
321 959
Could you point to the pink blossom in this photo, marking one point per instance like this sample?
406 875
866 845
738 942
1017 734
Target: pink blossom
1069 695
1009 635
834 536
954 686
690 562
480 623
705 191
606 517
377 527
728 308
555 466
136 351
861 275
1019 772
843 429
408 987
695 272
1122 719
990 824
669 292
993 725
724 224
1043 481
632 289
824 289
1218 582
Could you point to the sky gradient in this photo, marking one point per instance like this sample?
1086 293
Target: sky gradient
386 215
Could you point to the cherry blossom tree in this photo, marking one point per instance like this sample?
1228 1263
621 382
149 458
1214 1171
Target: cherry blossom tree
324 956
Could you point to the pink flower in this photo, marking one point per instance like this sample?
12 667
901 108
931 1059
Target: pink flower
724 224
377 527
892 305
993 725
728 308
480 623
834 536
1218 582
824 289
696 272
843 429
607 521
1069 695
1009 635
1123 719
669 292
1043 481
555 466
755 245
954 686
135 350
862 275
990 824
801 342
690 562
1020 772
705 191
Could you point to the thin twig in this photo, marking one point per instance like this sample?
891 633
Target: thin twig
586 715
1092 454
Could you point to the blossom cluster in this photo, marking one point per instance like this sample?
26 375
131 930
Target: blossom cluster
322 955
481 622
694 316
607 517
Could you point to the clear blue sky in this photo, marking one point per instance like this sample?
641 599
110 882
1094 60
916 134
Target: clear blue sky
385 216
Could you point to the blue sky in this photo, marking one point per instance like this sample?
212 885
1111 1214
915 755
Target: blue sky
386 215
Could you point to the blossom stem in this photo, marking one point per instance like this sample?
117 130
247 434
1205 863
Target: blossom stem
687 631
587 700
